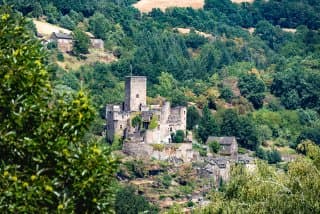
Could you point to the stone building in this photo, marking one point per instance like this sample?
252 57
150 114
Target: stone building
165 119
228 145
64 41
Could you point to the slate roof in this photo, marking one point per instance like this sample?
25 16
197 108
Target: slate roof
62 35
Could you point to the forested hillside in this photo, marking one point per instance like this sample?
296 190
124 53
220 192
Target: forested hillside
256 77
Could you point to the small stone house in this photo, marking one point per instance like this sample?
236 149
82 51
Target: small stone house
228 145
64 41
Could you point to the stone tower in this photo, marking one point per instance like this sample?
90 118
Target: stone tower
136 93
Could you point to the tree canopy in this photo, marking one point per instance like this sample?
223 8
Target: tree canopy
45 164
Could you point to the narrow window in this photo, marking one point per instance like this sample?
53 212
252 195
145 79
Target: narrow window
120 126
137 95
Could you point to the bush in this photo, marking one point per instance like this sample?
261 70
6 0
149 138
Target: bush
214 146
128 202
60 56
178 137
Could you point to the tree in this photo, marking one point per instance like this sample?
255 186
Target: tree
67 22
207 125
226 94
230 123
81 42
52 13
193 117
99 25
214 146
178 137
136 121
128 202
253 89
45 166
37 10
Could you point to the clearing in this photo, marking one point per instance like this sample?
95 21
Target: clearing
46 29
188 30
72 63
146 6
288 30
241 1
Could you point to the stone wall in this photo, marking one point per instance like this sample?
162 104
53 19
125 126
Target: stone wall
65 45
170 152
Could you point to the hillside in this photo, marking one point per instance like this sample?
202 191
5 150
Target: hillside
239 133
46 29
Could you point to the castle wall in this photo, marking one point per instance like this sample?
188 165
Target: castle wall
135 93
117 121
153 136
170 152
178 119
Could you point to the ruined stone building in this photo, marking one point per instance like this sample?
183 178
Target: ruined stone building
65 41
157 121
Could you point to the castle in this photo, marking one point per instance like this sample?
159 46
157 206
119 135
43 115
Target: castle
137 122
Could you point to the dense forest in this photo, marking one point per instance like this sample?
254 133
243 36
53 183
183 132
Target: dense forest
262 86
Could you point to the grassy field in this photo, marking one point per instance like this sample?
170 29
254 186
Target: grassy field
72 63
146 6
46 29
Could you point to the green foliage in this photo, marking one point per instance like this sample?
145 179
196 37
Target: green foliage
297 87
207 125
268 189
60 56
128 202
67 22
201 149
81 42
214 146
166 180
158 147
226 94
178 137
253 89
193 117
99 25
42 153
272 156
136 121
153 122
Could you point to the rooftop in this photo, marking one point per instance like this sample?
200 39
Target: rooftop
221 140
62 35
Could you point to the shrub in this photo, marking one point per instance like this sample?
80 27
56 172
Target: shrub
178 137
214 146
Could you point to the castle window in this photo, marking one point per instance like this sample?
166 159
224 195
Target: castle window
137 95
120 126
184 112
170 129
